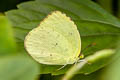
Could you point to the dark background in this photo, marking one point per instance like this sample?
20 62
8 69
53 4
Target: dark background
110 5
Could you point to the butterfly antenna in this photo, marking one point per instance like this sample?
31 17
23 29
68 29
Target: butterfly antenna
90 45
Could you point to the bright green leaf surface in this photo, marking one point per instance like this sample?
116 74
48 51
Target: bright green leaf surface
94 24
7 42
18 68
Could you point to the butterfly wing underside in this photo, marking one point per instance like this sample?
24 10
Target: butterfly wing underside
56 41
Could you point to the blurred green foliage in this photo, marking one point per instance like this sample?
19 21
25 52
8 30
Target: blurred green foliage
112 71
12 65
95 24
7 42
18 68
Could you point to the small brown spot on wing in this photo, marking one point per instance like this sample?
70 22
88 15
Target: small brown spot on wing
50 54
71 33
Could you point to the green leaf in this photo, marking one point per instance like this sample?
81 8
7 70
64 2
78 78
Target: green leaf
94 24
18 68
83 9
7 42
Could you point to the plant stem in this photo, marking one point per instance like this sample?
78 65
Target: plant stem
90 59
74 70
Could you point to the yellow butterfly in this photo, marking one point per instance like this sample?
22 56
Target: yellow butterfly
56 41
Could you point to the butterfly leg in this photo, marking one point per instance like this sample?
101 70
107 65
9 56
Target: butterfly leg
61 67
76 62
